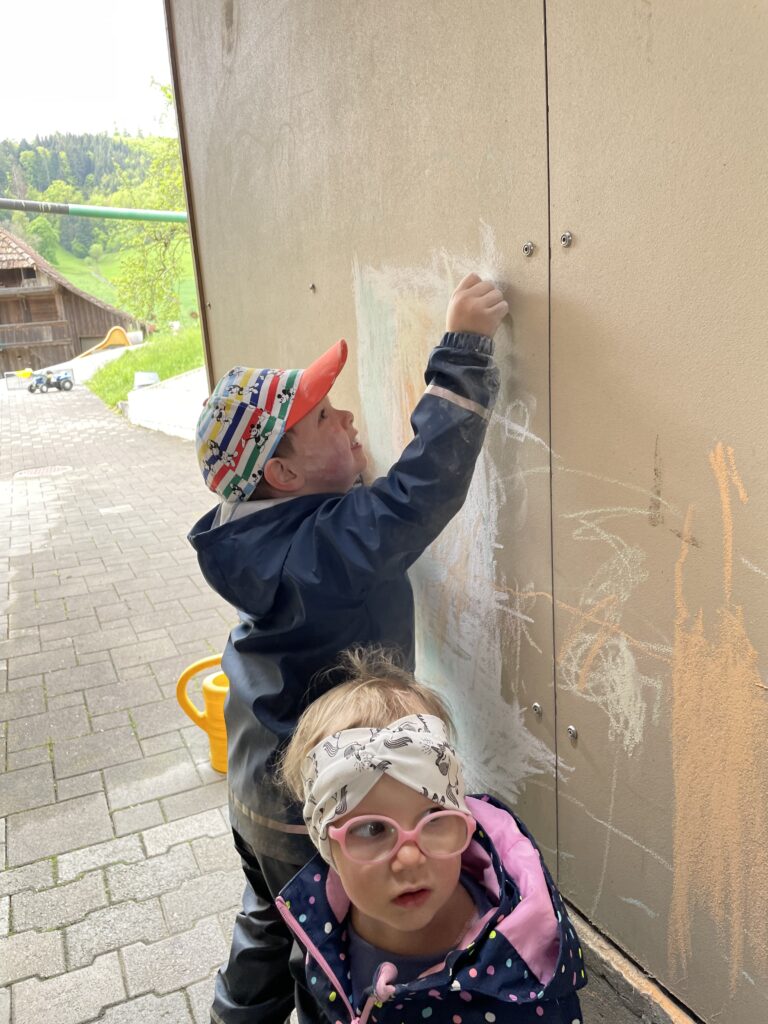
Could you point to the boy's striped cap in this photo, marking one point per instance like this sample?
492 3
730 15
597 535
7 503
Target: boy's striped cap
247 414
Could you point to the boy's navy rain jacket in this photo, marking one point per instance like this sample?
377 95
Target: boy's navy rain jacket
318 573
493 975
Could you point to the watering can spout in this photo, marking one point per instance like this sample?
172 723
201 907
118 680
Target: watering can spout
211 718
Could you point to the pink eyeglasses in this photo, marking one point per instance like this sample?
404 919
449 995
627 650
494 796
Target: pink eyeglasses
370 838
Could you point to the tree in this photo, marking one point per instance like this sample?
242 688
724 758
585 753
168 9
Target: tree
43 236
148 282
6 162
20 224
34 164
62 192
43 167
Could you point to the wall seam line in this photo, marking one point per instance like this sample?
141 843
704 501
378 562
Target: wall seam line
549 410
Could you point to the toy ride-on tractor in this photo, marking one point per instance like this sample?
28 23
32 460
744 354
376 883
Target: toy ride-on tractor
43 382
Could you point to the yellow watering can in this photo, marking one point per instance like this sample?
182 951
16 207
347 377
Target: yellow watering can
211 720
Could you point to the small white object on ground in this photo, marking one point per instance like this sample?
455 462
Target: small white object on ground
143 378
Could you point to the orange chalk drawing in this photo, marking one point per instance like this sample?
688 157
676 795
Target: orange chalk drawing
720 761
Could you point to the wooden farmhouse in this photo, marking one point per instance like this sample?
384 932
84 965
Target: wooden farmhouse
45 319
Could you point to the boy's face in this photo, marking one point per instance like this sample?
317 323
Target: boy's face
410 898
326 453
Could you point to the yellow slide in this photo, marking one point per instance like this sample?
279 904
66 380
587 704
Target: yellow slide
116 337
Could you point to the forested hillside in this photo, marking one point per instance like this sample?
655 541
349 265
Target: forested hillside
71 169
142 267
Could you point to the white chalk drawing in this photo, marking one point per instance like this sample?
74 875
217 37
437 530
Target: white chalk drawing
637 488
595 658
466 636
753 567
638 903
608 834
566 795
472 624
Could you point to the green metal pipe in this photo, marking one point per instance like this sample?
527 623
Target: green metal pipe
107 212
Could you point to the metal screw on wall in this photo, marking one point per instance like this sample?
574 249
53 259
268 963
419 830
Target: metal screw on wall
528 248
565 239
573 732
536 708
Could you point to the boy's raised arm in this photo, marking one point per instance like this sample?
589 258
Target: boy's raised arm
372 532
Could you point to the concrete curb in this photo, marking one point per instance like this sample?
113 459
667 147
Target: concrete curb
171 406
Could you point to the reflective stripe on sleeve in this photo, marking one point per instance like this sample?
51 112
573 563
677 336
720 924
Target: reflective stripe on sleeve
465 403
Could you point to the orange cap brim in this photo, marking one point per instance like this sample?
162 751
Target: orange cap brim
316 381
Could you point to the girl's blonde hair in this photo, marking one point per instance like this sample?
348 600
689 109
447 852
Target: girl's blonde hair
376 692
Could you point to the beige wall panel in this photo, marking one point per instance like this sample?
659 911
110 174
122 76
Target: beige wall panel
379 152
658 128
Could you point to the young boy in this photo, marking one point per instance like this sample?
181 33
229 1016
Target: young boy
314 565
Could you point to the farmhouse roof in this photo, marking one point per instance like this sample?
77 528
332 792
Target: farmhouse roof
14 253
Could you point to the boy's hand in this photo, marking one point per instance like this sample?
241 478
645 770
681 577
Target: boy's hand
476 306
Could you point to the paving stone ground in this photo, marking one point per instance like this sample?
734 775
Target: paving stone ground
119 882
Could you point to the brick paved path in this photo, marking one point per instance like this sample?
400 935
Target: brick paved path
120 882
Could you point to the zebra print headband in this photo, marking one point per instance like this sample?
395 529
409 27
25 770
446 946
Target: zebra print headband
343 768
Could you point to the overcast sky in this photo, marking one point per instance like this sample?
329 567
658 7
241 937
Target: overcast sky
83 66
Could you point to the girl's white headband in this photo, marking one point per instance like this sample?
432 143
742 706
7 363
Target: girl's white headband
341 770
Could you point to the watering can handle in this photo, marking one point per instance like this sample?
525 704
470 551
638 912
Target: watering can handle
213 661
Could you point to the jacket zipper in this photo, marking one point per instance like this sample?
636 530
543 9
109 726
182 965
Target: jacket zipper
294 925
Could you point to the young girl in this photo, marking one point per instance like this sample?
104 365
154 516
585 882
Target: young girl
421 902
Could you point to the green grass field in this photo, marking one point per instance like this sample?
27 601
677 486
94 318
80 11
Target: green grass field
166 354
95 279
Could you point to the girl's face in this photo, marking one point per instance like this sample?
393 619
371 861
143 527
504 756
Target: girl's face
411 903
